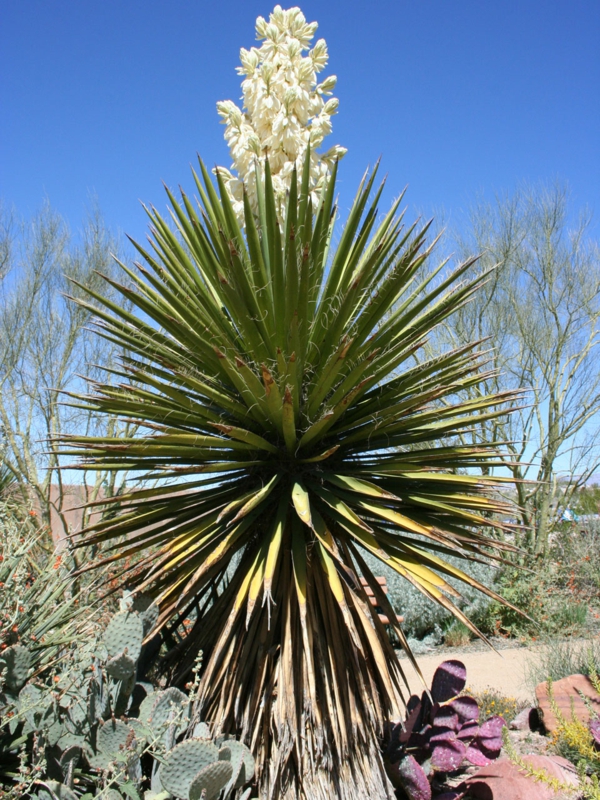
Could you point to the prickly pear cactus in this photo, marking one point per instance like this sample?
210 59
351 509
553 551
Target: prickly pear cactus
183 763
169 714
210 780
441 733
120 667
53 789
148 610
90 717
125 634
15 663
114 741
243 764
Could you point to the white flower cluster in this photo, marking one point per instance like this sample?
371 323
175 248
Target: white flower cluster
284 109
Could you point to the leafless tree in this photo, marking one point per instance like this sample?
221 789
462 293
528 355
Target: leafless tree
46 346
540 316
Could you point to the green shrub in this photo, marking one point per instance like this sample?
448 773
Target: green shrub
41 604
457 635
573 739
492 702
558 658
423 617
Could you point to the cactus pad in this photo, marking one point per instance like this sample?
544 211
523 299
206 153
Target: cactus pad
67 740
183 764
124 631
56 789
72 753
14 666
114 739
201 731
33 702
120 667
169 705
146 707
212 779
242 762
148 610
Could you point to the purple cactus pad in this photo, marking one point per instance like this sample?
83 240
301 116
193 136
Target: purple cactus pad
490 733
449 680
468 731
414 780
446 717
476 757
467 709
447 752
486 746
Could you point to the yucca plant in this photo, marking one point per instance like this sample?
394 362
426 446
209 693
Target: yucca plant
290 430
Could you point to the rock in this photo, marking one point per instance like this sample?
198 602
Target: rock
526 720
568 700
502 780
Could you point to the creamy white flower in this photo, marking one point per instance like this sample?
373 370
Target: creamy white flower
284 110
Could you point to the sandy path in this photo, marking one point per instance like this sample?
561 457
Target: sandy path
504 671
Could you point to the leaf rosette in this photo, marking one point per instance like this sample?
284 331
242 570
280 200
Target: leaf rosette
286 428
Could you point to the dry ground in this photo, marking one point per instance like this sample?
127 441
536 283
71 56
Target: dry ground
504 671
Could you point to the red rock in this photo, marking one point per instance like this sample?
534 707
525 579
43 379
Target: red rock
526 720
502 780
568 700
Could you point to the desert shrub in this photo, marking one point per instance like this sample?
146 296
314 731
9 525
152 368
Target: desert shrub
422 617
560 595
457 635
548 593
577 741
42 605
492 702
575 560
559 658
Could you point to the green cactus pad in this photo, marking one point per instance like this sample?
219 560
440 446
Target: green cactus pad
148 611
68 740
99 761
120 667
56 790
183 763
77 710
242 762
201 731
125 631
169 705
212 779
114 738
122 699
146 707
33 703
53 731
141 602
14 666
140 731
72 753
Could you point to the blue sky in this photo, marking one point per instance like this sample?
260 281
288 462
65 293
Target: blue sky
459 97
